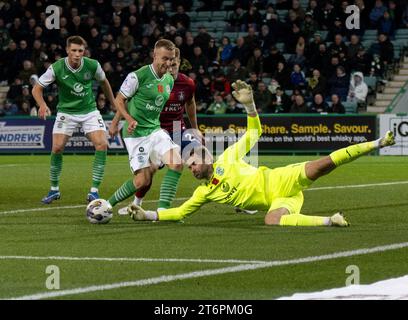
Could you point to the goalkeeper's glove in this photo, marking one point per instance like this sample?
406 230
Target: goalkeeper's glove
243 93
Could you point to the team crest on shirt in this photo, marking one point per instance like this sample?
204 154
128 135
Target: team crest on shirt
181 96
219 171
87 76
168 89
159 100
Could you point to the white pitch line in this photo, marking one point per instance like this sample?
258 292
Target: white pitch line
206 273
124 259
67 207
185 198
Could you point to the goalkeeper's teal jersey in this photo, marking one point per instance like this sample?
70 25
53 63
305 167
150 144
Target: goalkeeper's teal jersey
233 182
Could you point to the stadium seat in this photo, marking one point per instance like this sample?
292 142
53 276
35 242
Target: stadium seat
219 16
401 34
204 16
351 107
282 14
192 15
231 35
219 25
370 33
266 80
280 46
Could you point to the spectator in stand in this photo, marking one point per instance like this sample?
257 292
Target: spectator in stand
320 61
26 109
180 16
280 101
240 51
233 106
253 81
338 46
271 61
218 106
384 48
199 59
353 47
297 8
263 99
361 62
358 89
203 93
282 75
236 71
337 28
125 41
102 105
297 77
256 62
135 29
221 85
236 20
336 105
15 89
297 58
251 39
315 44
298 105
339 84
203 39
316 84
10 108
386 25
225 51
404 18
326 16
212 51
251 19
376 13
23 52
318 105
27 72
266 39
310 26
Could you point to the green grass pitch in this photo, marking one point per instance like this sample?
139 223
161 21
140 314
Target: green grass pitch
378 215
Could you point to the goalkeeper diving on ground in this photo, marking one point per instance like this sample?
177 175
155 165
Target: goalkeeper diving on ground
278 191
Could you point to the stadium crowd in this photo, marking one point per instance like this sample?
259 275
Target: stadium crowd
305 61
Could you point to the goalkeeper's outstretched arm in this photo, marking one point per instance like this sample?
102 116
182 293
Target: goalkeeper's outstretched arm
243 93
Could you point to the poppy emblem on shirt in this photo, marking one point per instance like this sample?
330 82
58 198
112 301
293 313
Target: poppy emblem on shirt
215 181
160 88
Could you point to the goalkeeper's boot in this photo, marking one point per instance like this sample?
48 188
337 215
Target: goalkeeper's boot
92 196
338 220
387 140
51 196
239 210
136 213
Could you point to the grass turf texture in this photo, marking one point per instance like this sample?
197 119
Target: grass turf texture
378 215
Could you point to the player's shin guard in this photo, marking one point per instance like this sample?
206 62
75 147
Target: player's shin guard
301 220
168 188
55 169
353 152
124 192
98 168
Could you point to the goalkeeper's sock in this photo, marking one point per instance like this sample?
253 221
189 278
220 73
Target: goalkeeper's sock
55 170
98 168
301 220
353 152
124 192
168 188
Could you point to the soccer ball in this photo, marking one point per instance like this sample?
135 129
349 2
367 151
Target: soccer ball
99 211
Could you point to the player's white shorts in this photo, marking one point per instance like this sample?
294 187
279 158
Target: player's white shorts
144 151
67 123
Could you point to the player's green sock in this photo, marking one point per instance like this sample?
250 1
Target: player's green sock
351 153
168 188
125 191
55 170
301 220
98 168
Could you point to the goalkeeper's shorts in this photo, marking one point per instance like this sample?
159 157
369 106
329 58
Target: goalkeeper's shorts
284 187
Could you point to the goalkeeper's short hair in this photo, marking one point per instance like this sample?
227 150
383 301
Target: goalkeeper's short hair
200 153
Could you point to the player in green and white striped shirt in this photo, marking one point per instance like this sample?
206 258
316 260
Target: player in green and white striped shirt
146 91
74 76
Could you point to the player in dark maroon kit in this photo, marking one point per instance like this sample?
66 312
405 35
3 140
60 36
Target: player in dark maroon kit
171 119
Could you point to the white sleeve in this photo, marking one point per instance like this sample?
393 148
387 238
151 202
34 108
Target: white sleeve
47 78
100 74
130 85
